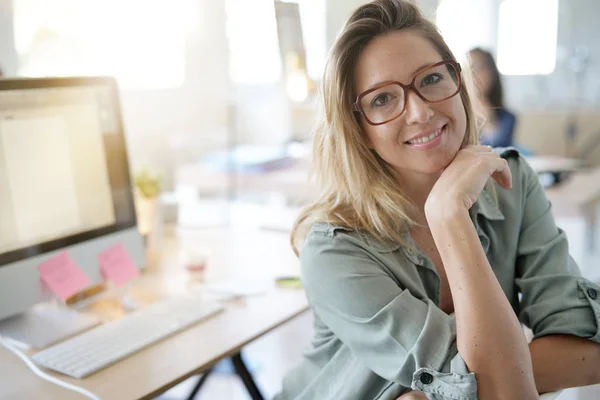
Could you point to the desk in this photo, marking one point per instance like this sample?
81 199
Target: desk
553 164
167 363
559 167
292 181
579 197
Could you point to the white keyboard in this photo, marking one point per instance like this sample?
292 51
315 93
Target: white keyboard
93 350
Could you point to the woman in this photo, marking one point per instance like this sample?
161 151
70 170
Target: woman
414 256
499 124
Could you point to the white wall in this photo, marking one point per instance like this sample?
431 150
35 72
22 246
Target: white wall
8 56
337 11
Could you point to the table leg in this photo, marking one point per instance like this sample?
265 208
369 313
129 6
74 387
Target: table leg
244 374
199 385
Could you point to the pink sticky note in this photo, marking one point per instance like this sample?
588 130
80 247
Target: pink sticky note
116 265
62 275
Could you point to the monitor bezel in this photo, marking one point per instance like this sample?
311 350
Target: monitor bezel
16 255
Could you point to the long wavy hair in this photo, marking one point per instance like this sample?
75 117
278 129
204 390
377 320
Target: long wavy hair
358 189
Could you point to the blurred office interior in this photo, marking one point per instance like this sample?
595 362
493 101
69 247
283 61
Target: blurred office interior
219 98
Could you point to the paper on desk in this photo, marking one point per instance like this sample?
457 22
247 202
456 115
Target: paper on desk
238 287
117 266
63 276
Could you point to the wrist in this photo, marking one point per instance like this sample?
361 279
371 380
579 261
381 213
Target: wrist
441 211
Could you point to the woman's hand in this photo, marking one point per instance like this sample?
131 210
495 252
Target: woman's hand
462 181
415 395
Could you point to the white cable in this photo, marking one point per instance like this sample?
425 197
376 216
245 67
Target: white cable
10 345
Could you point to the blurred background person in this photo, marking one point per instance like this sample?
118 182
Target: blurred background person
499 125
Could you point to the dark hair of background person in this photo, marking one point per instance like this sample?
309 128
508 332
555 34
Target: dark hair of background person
495 95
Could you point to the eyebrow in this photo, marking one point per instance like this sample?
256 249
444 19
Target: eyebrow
413 74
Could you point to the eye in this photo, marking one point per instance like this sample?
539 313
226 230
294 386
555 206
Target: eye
432 79
381 100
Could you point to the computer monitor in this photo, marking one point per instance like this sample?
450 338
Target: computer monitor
64 182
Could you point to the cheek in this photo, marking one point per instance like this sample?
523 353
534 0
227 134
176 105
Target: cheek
458 111
380 137
455 111
460 118
369 135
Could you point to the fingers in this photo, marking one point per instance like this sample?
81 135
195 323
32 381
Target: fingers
413 396
476 148
498 166
502 173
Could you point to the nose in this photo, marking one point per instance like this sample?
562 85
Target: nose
417 111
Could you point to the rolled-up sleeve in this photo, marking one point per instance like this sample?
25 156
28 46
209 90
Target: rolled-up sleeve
556 299
398 336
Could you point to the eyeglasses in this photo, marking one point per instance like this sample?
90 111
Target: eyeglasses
386 102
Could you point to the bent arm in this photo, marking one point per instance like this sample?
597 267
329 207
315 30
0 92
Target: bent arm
564 361
489 335
560 307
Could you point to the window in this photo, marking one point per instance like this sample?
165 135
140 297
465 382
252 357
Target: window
466 24
252 36
527 37
141 42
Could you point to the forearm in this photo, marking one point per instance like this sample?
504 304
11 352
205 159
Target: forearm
489 336
563 361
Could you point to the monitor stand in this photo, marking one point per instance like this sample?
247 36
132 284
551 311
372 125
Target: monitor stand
46 324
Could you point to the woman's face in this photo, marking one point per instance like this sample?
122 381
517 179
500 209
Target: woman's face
396 57
481 72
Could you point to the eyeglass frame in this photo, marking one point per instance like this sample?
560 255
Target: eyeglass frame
407 88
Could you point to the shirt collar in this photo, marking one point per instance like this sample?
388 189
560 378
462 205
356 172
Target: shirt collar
487 205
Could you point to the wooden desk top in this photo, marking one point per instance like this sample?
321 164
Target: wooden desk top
163 365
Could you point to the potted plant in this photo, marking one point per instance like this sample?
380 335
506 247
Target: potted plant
147 190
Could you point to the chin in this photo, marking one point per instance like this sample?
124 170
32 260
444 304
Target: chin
439 163
435 168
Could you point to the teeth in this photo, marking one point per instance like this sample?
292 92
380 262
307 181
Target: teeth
426 138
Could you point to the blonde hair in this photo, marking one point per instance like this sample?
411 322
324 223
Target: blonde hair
359 190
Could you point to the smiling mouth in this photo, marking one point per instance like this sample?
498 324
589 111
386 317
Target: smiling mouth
427 138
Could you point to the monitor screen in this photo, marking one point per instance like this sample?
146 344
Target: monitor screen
64 174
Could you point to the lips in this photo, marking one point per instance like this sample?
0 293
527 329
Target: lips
427 137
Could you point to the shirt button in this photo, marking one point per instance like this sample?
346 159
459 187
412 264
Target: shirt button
592 293
426 378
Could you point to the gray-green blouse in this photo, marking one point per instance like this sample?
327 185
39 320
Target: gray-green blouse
379 331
